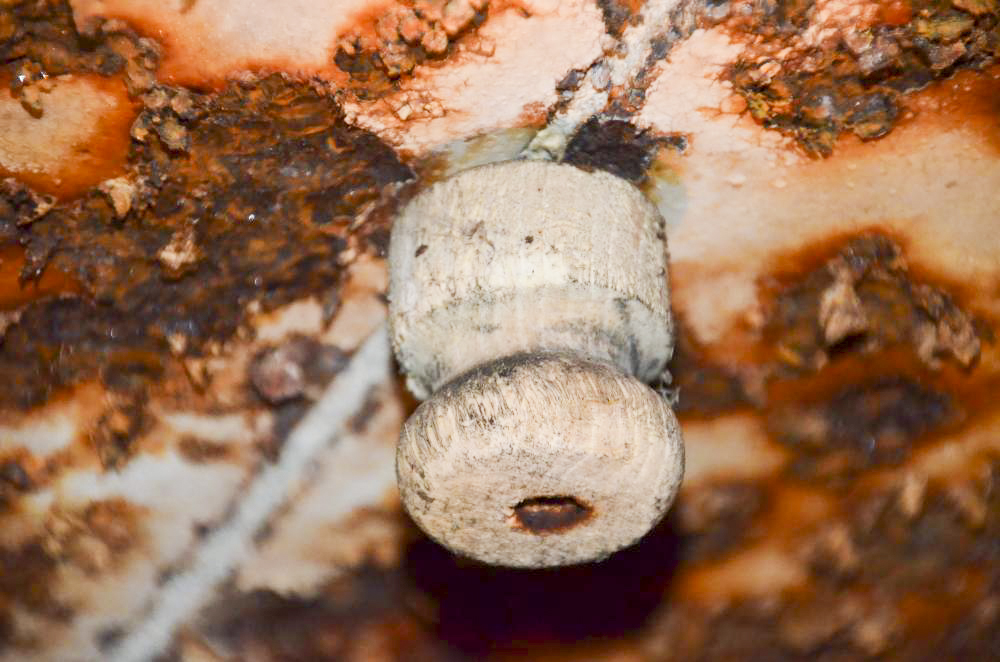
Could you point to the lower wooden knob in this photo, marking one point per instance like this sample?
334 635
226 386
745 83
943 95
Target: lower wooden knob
540 460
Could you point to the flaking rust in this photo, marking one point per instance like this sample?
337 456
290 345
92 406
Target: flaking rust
865 376
866 364
121 297
199 236
820 69
392 43
843 537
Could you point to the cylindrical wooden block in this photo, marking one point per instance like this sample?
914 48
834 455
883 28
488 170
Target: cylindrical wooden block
528 302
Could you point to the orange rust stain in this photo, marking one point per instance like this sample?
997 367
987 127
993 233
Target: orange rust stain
969 100
973 391
208 45
793 510
896 12
962 292
14 294
533 115
769 562
749 349
102 156
787 269
925 612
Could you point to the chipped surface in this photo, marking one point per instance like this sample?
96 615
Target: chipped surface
438 104
817 70
774 200
823 168
255 214
346 515
415 74
206 42
79 138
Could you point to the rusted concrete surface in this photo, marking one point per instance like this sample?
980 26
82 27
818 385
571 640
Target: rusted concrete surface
195 204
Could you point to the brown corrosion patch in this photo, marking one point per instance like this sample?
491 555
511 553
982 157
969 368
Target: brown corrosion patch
868 358
717 518
385 44
200 451
899 571
707 387
79 138
550 514
618 147
95 537
26 576
238 198
618 14
754 556
819 70
855 359
209 42
859 293
16 292
362 46
969 98
855 415
65 103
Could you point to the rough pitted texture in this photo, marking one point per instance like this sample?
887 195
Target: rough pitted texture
540 426
528 256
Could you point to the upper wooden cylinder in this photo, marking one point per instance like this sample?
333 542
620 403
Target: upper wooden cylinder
528 256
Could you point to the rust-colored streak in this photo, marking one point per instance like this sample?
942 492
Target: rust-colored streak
861 88
81 138
761 559
213 41
554 514
969 100
348 42
279 167
896 12
14 293
931 611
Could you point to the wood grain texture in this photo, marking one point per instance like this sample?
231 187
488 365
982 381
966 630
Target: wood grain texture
540 426
528 256
538 292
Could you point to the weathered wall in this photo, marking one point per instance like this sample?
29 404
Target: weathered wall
196 204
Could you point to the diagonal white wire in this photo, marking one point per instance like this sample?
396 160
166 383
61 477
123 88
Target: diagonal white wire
186 593
608 72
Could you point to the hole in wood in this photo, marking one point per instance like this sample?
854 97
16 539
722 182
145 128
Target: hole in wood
550 514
